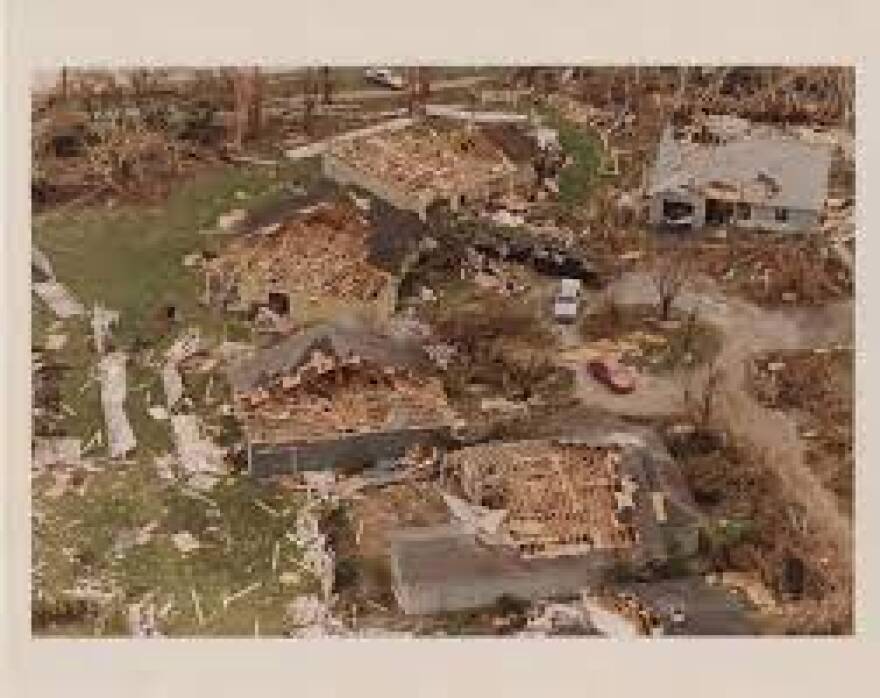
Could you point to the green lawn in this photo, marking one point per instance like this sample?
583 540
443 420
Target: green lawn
575 180
129 257
93 536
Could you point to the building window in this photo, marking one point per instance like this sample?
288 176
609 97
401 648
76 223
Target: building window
743 211
781 215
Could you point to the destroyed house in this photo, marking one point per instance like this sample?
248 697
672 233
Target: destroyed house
319 254
417 167
565 515
335 396
756 182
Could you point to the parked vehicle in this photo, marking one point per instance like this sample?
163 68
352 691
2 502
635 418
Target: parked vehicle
565 305
613 374
384 77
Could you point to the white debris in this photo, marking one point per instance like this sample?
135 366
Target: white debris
230 220
142 620
311 618
172 383
97 439
547 617
242 592
158 412
289 578
185 542
474 517
265 507
198 606
184 347
269 229
317 554
440 354
320 481
165 467
57 451
112 376
59 487
55 342
197 455
658 502
92 590
41 262
59 299
145 533
102 320
192 260
508 219
609 623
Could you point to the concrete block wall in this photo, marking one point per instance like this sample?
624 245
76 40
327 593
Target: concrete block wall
761 218
266 459
543 579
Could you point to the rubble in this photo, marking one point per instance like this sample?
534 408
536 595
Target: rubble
120 436
334 380
199 457
55 342
59 299
56 451
102 320
172 383
430 164
317 555
322 254
558 499
231 220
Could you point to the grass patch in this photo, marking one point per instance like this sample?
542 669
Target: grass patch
583 147
129 257
93 536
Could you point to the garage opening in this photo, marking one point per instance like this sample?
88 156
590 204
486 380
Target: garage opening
678 213
718 212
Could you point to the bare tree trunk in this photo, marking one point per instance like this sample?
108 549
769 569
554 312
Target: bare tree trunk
326 86
308 101
424 83
255 107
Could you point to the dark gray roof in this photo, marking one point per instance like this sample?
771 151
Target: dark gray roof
341 340
798 169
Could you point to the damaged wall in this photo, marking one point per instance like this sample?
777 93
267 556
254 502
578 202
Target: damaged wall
366 449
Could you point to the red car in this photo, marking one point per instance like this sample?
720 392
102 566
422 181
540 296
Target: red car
607 370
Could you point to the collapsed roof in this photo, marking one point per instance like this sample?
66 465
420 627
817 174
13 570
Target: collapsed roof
438 163
322 252
333 380
570 497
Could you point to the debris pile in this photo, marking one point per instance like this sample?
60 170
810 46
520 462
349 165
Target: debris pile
327 396
559 499
321 254
434 163
200 458
120 436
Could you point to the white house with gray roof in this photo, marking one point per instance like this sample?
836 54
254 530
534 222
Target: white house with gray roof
764 183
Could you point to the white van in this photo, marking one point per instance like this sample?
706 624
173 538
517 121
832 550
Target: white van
565 305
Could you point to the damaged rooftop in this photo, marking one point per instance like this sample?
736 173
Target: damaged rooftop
368 352
768 171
